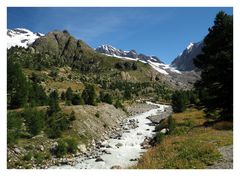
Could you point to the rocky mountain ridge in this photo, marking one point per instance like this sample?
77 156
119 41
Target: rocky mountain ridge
184 61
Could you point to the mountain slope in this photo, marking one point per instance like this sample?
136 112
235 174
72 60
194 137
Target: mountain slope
58 49
153 61
21 37
184 62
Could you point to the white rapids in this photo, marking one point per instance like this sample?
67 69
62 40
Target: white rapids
127 154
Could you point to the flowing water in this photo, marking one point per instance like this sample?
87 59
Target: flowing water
128 148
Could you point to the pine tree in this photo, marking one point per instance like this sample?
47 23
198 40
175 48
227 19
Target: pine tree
17 86
89 95
179 101
53 103
216 65
34 120
69 94
77 100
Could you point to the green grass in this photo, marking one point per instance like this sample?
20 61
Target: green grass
195 149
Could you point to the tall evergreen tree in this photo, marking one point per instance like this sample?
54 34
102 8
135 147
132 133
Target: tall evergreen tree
53 103
89 95
179 101
17 86
69 94
216 65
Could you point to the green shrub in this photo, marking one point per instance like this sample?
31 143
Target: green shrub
89 95
67 145
57 123
179 101
157 139
39 157
28 156
69 94
71 145
14 124
72 116
61 149
53 103
17 85
53 73
171 124
105 97
105 125
34 120
63 96
97 114
77 100
118 104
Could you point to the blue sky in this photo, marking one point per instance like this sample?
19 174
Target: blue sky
162 31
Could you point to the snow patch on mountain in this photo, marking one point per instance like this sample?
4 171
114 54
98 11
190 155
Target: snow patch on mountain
132 55
21 37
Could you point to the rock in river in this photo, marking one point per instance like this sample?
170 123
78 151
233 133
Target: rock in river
99 159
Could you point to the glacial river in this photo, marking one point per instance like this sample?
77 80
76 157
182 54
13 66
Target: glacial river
125 150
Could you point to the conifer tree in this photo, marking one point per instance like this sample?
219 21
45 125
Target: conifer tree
89 95
17 86
53 103
216 65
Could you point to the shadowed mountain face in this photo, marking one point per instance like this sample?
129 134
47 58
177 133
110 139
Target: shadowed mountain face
184 62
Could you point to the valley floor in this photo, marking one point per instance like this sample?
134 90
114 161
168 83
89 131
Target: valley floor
201 147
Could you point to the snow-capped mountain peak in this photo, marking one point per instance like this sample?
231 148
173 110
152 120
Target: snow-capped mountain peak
189 47
153 61
21 37
184 61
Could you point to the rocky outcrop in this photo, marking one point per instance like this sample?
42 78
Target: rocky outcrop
125 76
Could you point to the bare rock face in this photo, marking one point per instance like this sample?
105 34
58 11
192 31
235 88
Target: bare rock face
125 76
184 61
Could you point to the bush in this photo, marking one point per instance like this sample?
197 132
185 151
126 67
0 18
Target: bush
61 149
179 101
28 156
118 104
72 116
69 94
34 120
97 114
53 103
68 145
53 73
105 97
14 124
77 100
89 95
71 145
57 123
17 86
159 137
171 124
63 96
